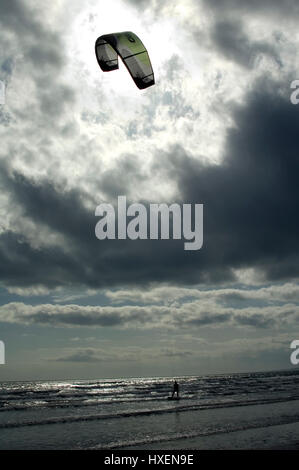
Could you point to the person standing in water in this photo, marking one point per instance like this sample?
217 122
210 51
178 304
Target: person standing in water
175 389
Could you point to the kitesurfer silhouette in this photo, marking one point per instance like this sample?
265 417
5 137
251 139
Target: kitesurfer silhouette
175 389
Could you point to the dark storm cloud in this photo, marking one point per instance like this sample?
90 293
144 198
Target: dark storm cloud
82 259
76 319
255 320
285 7
53 97
39 43
170 353
230 39
51 205
7 66
86 355
40 51
250 207
141 4
74 315
5 118
251 200
23 265
289 7
16 17
209 318
114 182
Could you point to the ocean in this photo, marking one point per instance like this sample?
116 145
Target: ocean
230 411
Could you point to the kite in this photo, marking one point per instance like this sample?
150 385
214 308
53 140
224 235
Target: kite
132 52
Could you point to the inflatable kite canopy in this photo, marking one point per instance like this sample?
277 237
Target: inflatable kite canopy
132 52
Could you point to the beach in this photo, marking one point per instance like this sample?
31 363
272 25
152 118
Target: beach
230 411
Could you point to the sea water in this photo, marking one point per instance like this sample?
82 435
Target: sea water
135 412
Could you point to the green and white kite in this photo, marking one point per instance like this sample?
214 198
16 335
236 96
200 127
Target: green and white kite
132 52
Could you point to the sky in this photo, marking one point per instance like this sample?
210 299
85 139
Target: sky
218 128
